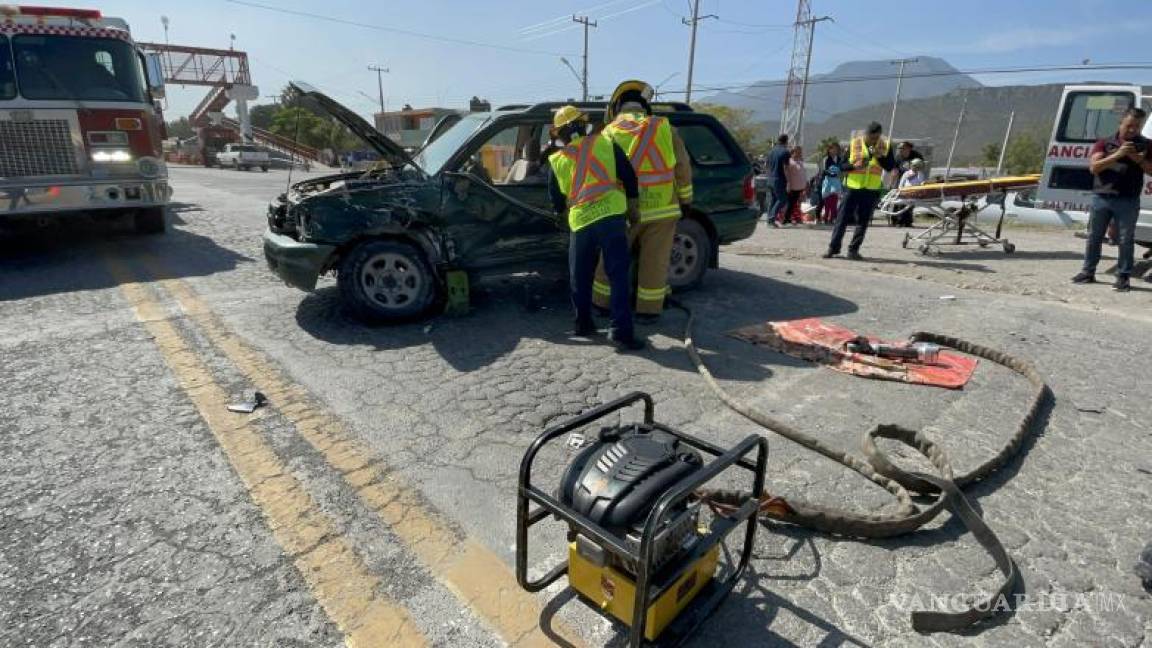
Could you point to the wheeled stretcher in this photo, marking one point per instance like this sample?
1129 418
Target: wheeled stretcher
955 225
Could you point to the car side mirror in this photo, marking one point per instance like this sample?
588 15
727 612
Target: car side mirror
154 71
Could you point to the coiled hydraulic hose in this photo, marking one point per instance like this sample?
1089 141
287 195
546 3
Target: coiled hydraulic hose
876 467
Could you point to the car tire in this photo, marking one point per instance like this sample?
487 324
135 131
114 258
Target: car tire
387 281
149 220
691 255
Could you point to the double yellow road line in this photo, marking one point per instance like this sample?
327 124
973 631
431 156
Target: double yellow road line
338 577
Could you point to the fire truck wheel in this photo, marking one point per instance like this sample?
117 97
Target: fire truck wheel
150 220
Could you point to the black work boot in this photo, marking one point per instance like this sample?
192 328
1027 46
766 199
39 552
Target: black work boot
583 329
1122 284
627 343
854 255
646 318
1084 278
829 254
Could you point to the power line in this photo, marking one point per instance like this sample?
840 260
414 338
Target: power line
394 30
883 77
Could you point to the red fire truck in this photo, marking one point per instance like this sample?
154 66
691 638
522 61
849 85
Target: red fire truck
80 127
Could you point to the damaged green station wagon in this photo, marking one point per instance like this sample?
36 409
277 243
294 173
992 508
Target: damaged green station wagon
475 199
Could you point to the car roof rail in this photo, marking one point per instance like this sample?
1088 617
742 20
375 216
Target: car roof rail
596 106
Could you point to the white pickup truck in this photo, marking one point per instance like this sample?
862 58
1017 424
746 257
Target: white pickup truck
243 157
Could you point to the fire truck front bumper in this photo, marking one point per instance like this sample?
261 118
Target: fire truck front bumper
92 195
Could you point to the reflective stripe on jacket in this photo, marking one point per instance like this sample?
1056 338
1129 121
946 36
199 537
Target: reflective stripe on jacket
586 173
867 172
647 141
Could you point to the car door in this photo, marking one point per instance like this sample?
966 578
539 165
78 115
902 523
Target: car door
495 200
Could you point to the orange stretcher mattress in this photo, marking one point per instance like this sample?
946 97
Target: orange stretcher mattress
969 187
818 341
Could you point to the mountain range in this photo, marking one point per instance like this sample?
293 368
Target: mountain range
833 93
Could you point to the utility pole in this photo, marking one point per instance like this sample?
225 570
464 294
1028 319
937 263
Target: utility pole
380 83
1004 146
807 64
899 82
956 136
796 92
588 23
696 18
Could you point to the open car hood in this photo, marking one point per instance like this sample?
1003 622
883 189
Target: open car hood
388 149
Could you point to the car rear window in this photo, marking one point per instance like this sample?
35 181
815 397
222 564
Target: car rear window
703 145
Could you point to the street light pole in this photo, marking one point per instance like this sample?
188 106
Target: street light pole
380 83
696 18
956 136
899 81
1004 146
588 23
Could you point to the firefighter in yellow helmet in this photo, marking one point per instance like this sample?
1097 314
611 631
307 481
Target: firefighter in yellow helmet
593 184
665 174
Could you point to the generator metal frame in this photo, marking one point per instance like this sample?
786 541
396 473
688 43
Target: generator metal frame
712 595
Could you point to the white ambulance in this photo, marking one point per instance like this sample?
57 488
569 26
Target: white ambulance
1088 113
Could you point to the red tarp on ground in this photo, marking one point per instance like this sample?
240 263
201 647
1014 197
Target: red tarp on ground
818 341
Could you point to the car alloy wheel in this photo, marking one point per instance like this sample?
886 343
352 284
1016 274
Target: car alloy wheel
391 280
691 248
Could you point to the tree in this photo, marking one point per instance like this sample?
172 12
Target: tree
990 154
180 128
750 135
300 125
262 115
1025 154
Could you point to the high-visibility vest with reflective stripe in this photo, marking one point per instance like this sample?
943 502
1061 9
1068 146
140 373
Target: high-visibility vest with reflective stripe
648 142
868 173
586 173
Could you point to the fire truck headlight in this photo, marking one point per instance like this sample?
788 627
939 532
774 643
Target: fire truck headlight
148 167
112 155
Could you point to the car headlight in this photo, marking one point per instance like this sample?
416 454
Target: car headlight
111 155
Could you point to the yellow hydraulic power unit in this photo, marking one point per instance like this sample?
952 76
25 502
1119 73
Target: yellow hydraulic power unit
639 549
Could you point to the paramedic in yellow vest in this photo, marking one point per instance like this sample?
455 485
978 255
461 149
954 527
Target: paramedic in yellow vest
665 173
594 187
869 157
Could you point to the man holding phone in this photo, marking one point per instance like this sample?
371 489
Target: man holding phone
1118 165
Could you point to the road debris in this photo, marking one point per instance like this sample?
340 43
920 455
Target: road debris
1143 567
248 406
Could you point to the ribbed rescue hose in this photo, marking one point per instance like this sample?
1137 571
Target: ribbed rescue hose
875 466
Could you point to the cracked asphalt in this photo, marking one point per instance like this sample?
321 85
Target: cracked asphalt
129 517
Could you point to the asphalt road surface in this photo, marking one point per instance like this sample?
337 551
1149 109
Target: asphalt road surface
372 501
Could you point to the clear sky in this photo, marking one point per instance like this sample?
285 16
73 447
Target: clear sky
509 50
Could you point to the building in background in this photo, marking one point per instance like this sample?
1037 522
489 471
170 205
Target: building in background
410 126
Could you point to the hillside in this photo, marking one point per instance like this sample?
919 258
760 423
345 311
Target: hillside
934 118
765 98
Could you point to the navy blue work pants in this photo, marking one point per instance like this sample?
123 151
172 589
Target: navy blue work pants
607 237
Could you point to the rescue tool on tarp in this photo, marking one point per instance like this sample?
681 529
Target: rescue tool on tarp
641 548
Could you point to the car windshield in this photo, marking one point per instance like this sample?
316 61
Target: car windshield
434 156
78 68
7 76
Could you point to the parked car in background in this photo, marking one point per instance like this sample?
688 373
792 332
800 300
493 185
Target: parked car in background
243 157
476 200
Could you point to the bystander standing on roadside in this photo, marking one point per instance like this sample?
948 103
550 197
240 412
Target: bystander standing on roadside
778 159
869 158
1118 165
913 177
832 184
797 183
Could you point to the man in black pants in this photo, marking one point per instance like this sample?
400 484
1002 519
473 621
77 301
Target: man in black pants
869 157
778 159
